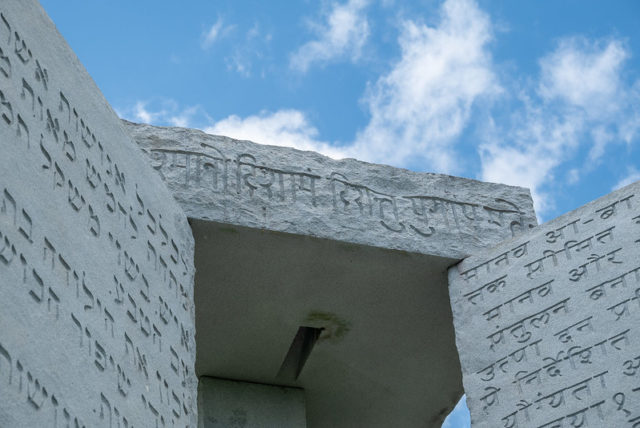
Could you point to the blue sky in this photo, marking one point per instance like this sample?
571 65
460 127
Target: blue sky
543 94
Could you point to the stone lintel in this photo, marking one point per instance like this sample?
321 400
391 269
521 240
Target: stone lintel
287 190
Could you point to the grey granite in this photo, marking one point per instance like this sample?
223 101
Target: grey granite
547 323
287 190
96 258
226 403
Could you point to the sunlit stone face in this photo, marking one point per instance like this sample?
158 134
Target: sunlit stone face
96 259
546 324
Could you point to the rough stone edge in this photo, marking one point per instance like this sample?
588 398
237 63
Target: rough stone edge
459 256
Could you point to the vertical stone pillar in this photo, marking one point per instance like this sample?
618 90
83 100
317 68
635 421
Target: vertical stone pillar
96 258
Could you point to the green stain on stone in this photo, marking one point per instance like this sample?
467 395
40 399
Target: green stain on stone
334 327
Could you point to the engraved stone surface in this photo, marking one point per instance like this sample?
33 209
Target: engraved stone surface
357 249
96 258
226 403
287 190
547 323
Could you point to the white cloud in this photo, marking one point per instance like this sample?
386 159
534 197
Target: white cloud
584 74
288 128
528 154
580 100
165 112
633 175
573 176
344 35
417 110
579 106
214 33
141 113
255 48
424 103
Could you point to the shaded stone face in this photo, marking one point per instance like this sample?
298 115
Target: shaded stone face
96 259
226 403
329 275
275 188
546 323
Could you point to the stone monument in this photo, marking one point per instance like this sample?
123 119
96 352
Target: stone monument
96 258
326 276
321 291
547 323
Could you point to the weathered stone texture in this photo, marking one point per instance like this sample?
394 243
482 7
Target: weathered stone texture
229 181
96 258
547 323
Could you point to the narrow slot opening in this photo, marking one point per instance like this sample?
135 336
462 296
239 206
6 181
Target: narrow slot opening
299 351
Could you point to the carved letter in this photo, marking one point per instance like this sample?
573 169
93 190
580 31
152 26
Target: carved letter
48 247
5 109
4 353
92 176
53 126
131 268
119 297
22 129
8 28
56 300
86 135
21 49
124 384
132 313
101 357
37 287
42 75
94 222
90 299
5 65
68 147
105 409
7 257
76 200
8 207
26 226
28 90
36 393
61 106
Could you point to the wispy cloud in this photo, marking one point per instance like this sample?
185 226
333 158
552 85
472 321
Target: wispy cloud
584 74
287 127
282 128
632 176
255 47
418 109
343 35
423 104
533 132
580 101
217 31
165 112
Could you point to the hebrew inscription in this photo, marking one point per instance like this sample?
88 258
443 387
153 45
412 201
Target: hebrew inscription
96 260
547 323
278 188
